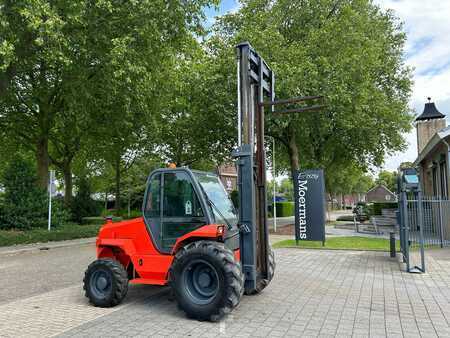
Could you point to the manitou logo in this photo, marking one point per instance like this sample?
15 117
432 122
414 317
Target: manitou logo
302 189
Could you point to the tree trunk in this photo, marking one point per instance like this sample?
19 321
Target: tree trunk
42 160
293 151
68 185
117 203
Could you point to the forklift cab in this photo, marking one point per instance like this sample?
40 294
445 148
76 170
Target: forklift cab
179 201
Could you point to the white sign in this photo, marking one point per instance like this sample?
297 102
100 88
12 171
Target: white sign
188 208
229 184
51 192
52 184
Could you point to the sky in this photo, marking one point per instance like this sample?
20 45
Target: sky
428 51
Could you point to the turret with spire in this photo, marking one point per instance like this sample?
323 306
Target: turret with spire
428 124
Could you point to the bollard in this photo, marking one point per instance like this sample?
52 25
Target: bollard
392 243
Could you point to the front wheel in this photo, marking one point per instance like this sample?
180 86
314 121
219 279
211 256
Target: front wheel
105 282
206 280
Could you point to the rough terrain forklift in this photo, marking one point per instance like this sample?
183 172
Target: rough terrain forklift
190 236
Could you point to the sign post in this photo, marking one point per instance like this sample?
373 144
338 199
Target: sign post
51 190
309 194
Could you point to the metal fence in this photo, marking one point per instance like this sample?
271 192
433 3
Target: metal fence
424 223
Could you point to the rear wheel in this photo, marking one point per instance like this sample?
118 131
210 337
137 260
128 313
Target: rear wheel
105 282
206 280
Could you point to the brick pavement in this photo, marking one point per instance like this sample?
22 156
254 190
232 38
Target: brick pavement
314 293
54 312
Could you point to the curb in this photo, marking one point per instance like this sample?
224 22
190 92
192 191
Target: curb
17 249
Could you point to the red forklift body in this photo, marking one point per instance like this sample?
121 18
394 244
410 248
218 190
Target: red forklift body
130 243
146 246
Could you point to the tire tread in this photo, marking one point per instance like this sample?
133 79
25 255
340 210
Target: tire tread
232 272
120 282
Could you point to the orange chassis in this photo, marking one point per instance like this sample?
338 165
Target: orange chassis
130 243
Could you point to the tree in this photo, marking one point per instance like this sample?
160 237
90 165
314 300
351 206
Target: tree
349 51
83 205
287 189
197 123
405 165
64 59
24 203
364 183
388 179
137 79
349 180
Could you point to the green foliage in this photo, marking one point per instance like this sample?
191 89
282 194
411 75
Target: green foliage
66 65
376 207
347 180
197 123
65 232
349 51
99 220
388 179
123 213
24 204
83 205
285 209
286 188
234 195
150 92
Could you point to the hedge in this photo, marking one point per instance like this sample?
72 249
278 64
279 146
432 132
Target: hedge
98 220
285 209
376 207
36 235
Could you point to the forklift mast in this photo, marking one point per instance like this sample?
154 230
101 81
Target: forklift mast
255 82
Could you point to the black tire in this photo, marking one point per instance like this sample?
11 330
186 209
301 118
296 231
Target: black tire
105 282
264 282
206 280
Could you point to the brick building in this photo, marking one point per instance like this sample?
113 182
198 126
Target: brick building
228 176
380 193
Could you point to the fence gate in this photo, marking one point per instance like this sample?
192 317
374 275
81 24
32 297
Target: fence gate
424 222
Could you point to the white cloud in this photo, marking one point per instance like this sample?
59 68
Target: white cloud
428 51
